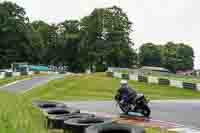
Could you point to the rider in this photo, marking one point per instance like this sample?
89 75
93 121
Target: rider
125 92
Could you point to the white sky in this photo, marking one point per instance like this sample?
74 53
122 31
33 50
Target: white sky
156 21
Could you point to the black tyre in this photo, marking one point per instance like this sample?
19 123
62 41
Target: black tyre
57 122
78 125
60 111
43 105
114 128
145 110
56 112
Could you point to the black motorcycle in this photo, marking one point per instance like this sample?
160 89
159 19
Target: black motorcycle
139 104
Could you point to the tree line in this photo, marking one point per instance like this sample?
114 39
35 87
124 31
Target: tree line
95 42
173 56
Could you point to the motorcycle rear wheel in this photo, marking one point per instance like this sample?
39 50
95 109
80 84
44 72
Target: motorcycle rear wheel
145 110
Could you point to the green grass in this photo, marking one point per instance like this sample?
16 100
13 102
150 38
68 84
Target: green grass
18 116
100 87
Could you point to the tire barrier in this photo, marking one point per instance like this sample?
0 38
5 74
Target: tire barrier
37 72
23 73
109 74
189 86
8 74
45 105
163 82
60 111
142 79
114 128
79 125
125 76
62 72
57 122
156 80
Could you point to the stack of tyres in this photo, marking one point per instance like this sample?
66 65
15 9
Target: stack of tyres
114 128
55 112
46 105
57 122
58 112
79 125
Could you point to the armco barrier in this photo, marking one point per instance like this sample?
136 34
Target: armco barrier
142 79
163 82
189 86
153 80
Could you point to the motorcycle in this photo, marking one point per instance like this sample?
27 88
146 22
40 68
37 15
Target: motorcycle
139 104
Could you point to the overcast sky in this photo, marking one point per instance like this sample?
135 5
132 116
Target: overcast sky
155 21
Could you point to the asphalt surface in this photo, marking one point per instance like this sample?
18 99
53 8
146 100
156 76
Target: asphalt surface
184 112
26 85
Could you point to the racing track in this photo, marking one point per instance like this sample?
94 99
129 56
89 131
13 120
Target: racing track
181 112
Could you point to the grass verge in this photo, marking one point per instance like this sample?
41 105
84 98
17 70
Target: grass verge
100 87
18 116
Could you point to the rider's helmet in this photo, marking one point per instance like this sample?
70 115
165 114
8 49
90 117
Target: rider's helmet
124 83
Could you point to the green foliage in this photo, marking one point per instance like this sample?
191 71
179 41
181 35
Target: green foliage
18 115
171 56
178 57
96 42
150 55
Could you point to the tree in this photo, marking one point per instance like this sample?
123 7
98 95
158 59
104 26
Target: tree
150 55
13 37
107 38
177 56
185 55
